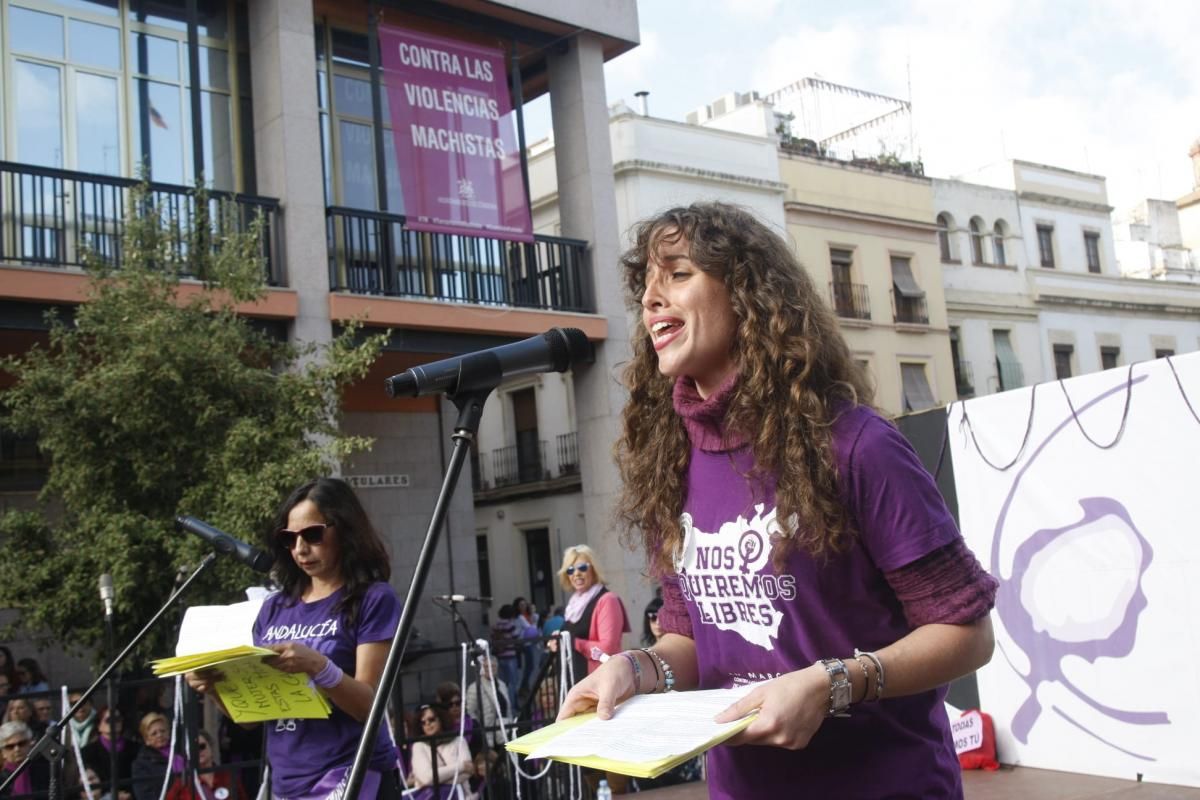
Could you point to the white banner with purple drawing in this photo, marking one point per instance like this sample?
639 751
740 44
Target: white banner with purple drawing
1083 498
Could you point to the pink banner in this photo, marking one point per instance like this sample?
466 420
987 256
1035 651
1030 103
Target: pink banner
456 144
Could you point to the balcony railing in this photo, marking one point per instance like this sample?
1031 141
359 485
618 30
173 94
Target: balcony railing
53 217
909 310
567 445
374 253
515 465
850 300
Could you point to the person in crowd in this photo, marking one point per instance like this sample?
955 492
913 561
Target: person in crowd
505 645
595 617
795 531
651 630
333 620
97 754
31 676
450 706
496 707
154 760
490 782
5 689
16 740
19 710
91 781
82 725
211 782
554 622
447 757
528 631
9 682
43 715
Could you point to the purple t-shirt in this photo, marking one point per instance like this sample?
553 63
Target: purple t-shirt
302 751
751 623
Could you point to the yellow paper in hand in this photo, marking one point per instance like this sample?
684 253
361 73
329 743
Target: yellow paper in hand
254 692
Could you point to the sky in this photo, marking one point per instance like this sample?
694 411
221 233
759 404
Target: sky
1100 86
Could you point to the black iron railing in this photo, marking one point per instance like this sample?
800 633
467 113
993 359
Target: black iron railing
850 300
371 252
53 217
515 464
909 310
567 445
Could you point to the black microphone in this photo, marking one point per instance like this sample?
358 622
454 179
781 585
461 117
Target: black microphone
222 542
462 598
553 351
107 593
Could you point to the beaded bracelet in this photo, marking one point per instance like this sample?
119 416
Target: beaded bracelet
668 673
637 671
866 679
329 676
878 670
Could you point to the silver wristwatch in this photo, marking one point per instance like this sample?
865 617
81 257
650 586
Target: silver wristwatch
839 686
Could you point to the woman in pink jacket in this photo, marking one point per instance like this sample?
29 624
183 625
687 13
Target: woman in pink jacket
595 617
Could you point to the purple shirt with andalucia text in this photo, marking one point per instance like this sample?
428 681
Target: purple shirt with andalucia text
302 751
751 623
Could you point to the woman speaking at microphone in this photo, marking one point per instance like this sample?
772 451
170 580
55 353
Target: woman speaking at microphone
333 620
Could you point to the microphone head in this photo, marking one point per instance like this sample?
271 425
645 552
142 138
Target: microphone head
568 347
262 561
106 587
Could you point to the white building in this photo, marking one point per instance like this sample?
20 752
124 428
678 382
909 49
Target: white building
1059 304
1149 243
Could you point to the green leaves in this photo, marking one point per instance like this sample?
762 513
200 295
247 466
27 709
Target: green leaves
150 405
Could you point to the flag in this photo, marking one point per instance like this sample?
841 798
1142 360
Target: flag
157 118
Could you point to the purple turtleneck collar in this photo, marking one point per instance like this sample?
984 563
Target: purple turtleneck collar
704 418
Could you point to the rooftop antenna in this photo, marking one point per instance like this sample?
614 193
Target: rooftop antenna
643 106
908 71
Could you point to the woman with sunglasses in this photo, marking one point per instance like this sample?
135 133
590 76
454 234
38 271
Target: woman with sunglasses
211 782
595 617
651 630
16 740
332 620
451 761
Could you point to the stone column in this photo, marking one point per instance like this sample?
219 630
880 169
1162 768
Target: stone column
287 148
588 210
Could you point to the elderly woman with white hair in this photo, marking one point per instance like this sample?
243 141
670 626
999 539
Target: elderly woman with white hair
595 617
16 740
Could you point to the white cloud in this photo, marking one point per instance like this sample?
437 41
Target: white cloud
635 68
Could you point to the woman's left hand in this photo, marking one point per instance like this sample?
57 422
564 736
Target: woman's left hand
790 710
295 657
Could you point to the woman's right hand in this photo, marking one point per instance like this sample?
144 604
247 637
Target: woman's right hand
602 691
203 680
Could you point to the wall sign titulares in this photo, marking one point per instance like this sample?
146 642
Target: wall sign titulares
456 144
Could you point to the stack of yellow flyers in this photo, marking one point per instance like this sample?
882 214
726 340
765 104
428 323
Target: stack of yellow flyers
220 637
648 734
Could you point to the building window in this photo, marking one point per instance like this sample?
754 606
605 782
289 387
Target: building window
849 300
1163 352
1045 237
1110 357
963 379
1063 353
945 225
998 243
918 396
976 225
1008 368
1091 244
909 297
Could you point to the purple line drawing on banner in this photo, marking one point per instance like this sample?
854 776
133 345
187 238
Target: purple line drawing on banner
1045 636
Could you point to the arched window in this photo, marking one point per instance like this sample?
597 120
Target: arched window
976 240
998 232
945 224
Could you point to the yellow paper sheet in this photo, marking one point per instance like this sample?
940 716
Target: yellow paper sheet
255 692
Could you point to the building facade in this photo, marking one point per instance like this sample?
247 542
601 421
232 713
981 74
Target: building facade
280 106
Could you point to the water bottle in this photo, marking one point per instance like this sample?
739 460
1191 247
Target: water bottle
602 791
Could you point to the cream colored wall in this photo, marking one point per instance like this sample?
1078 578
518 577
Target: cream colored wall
875 215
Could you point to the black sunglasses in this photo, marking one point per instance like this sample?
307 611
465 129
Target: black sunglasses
581 568
313 534
17 744
652 616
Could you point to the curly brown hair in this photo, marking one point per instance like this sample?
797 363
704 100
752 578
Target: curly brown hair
796 375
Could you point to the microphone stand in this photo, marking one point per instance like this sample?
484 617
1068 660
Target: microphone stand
470 409
49 745
110 648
